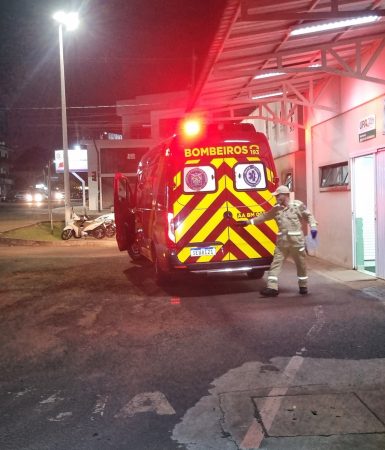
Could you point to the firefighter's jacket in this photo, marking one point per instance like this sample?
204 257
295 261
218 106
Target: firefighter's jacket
289 220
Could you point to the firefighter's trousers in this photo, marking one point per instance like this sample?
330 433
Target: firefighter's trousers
297 252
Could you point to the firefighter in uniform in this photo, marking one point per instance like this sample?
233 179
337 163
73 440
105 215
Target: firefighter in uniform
290 239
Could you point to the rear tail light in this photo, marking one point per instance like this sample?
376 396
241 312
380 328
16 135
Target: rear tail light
171 227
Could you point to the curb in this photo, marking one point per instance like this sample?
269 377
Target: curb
83 242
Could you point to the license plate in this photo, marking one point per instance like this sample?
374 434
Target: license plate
203 251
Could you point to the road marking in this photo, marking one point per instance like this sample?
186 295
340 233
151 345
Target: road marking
145 402
60 417
255 433
21 393
52 399
100 406
319 322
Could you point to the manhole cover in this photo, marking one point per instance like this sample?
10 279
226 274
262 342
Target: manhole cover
321 414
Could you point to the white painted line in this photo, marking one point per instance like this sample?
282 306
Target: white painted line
21 393
319 322
60 417
100 406
51 399
269 410
254 434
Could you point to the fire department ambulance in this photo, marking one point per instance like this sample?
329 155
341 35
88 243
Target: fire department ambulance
190 192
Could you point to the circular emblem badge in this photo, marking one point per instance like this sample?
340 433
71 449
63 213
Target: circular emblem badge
196 179
252 175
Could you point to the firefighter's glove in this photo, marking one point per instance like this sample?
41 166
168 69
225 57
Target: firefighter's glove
313 233
243 223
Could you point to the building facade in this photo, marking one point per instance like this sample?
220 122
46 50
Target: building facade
146 120
6 180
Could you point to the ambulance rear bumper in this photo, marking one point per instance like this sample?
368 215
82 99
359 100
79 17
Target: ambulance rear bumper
223 266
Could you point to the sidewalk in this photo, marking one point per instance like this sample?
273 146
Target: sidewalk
369 284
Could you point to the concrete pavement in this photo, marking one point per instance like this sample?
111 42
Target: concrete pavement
353 278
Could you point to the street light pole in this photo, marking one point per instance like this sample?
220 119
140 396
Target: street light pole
70 20
67 194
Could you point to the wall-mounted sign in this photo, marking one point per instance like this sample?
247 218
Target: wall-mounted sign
367 128
77 161
383 118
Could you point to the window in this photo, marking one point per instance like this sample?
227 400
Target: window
287 178
249 176
335 175
199 179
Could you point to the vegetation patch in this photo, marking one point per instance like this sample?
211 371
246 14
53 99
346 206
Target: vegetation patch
39 232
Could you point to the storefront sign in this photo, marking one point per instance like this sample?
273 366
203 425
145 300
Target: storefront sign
367 128
77 161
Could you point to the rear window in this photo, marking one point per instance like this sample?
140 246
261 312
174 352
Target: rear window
199 179
249 176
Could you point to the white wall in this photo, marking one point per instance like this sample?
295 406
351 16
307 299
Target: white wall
93 148
334 139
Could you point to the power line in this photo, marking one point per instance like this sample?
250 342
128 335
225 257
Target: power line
57 108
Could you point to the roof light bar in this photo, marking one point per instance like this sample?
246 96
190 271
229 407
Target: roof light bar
326 26
272 94
268 75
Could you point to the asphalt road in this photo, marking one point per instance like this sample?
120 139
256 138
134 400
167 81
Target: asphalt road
95 355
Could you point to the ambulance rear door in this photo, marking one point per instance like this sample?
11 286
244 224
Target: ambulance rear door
222 179
210 197
124 213
249 189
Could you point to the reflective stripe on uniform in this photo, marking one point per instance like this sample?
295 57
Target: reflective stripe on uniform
272 278
301 249
294 233
302 278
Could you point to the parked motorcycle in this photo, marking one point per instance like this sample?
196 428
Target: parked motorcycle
108 223
83 226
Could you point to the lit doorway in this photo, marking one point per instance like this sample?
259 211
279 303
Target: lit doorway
364 223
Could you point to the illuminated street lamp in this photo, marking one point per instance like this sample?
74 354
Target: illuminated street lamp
70 21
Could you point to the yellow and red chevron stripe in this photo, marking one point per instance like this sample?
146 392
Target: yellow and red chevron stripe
203 218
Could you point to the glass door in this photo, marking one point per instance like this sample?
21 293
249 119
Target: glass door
364 225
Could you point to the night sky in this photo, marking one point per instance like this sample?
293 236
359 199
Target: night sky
123 48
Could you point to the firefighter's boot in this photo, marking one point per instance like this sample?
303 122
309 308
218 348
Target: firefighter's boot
268 292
